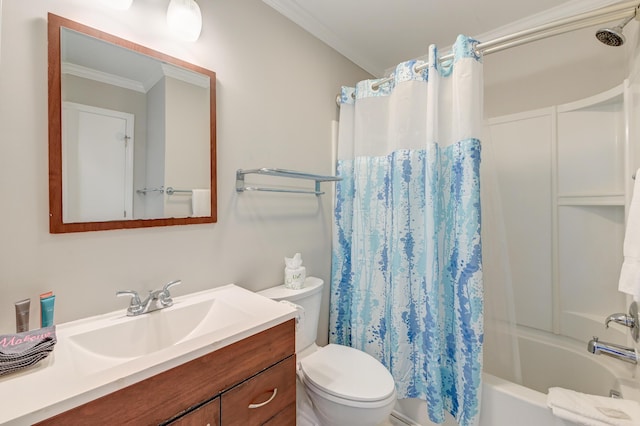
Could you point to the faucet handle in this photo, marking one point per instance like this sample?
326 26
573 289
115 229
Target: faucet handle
165 296
135 298
136 303
631 320
167 286
622 319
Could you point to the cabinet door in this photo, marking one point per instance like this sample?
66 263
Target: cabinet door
263 397
206 415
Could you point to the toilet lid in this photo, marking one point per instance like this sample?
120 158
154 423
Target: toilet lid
348 373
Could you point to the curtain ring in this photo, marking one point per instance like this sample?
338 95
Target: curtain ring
474 45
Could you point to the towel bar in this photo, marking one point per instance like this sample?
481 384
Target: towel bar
171 191
145 190
241 187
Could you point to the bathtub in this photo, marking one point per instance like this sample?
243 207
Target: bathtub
546 360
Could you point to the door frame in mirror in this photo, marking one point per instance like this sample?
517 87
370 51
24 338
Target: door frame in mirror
56 223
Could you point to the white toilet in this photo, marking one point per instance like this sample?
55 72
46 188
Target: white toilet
346 386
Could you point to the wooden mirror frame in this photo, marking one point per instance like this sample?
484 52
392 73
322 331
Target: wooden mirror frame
56 224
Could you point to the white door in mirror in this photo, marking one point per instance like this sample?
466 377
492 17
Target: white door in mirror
98 163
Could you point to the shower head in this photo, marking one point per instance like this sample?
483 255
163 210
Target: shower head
613 36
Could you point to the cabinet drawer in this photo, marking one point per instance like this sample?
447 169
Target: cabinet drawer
286 417
257 400
208 414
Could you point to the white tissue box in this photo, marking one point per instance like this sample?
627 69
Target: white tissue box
294 277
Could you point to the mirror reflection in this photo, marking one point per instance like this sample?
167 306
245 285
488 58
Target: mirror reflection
136 134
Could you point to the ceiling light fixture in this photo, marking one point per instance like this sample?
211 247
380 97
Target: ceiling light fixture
184 19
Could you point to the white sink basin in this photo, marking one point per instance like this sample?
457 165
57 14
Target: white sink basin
106 341
132 337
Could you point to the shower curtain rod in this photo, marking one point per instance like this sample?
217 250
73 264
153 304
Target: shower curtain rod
561 26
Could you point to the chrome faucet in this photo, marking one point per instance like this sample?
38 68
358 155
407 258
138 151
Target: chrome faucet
157 299
628 320
613 350
622 319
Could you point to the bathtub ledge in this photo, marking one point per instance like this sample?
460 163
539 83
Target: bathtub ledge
630 389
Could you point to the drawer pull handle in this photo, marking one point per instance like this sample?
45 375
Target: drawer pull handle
262 404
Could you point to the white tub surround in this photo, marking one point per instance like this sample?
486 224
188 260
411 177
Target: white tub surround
89 361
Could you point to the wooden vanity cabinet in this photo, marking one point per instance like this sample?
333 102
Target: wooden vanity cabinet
250 382
205 415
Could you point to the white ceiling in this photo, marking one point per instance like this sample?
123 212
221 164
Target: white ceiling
378 34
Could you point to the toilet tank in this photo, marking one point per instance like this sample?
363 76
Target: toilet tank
308 298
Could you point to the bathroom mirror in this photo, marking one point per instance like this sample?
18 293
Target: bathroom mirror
132 134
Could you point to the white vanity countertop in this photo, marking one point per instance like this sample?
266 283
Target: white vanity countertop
71 376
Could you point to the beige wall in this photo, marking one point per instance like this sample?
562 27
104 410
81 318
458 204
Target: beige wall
186 164
154 152
276 91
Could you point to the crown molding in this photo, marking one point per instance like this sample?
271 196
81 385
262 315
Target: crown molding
299 15
142 87
185 75
304 19
102 77
565 10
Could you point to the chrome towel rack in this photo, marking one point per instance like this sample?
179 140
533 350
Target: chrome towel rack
171 191
145 190
168 190
241 187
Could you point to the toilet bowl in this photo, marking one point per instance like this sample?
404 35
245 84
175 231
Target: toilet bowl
345 386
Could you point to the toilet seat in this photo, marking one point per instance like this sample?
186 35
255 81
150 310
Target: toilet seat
347 374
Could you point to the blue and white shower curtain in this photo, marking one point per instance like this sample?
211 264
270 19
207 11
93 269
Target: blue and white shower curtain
406 283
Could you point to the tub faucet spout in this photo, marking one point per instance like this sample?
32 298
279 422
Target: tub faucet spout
613 350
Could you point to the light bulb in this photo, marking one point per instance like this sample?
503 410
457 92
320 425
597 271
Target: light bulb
184 19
